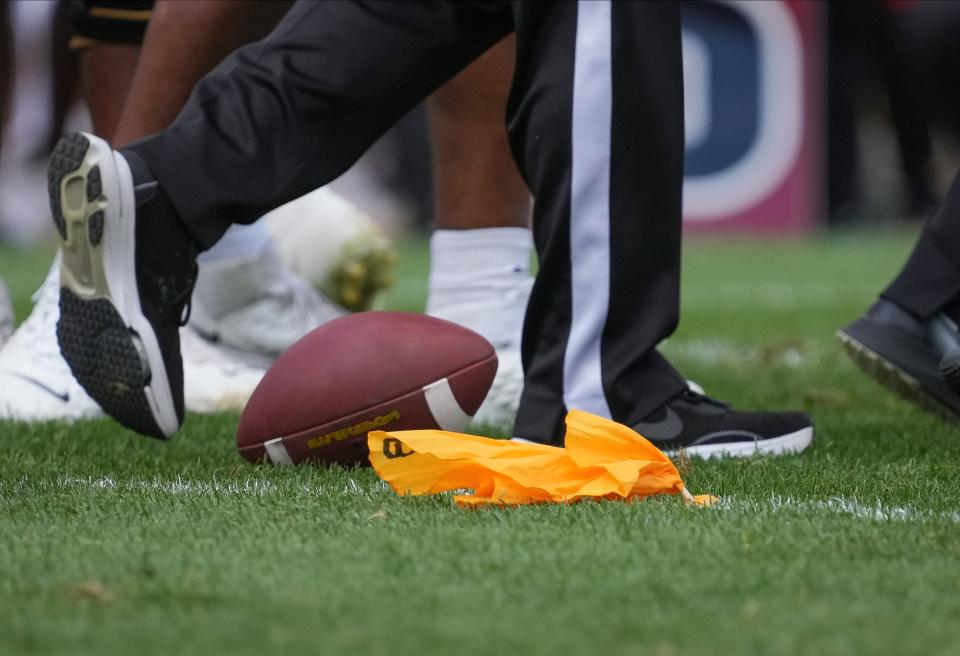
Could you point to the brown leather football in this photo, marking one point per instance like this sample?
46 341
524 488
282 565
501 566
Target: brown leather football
363 372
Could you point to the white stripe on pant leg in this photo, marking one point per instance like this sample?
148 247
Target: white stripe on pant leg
590 207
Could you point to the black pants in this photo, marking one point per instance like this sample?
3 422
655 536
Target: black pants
595 120
930 280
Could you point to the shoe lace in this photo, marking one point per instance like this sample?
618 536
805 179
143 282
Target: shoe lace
170 295
692 396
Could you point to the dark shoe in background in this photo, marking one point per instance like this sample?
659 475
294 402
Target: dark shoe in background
919 359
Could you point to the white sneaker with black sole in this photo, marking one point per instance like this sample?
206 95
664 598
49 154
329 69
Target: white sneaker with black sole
127 273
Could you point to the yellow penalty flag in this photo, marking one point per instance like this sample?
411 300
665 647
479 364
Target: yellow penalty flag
601 459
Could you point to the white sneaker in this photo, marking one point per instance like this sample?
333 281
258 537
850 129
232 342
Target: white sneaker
498 316
499 408
35 381
255 307
213 378
6 315
336 246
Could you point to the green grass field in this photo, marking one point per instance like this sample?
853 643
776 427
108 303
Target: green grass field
115 544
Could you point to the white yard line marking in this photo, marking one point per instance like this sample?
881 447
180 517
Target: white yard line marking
715 351
249 487
773 294
876 510
860 509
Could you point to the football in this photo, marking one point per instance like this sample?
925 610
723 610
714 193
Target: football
363 372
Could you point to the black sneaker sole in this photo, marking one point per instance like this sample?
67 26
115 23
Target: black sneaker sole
105 360
899 364
106 355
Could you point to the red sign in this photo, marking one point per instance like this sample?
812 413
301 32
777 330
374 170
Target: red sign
752 76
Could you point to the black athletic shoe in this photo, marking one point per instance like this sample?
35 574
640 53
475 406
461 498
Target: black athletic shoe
127 273
918 359
700 426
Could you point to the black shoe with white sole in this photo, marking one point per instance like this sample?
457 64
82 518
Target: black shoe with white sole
700 426
127 272
919 359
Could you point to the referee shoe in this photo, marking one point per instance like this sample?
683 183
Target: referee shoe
696 425
917 358
128 270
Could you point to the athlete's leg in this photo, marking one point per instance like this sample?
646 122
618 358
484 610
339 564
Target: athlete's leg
183 42
476 179
36 381
106 72
481 248
65 74
308 100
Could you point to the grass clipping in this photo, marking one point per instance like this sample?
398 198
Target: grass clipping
601 459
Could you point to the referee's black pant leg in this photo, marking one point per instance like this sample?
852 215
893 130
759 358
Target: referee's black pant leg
596 124
930 279
288 114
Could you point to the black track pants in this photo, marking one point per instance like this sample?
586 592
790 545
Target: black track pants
596 125
930 279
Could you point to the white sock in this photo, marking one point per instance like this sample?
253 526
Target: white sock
481 279
239 241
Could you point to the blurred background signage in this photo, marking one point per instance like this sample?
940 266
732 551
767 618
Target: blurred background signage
752 136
